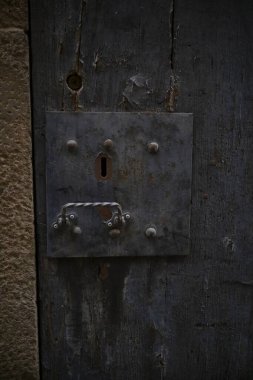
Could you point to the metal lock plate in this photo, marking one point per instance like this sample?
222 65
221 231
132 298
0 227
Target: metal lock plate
118 184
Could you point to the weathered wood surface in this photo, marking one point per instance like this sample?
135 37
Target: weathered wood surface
150 318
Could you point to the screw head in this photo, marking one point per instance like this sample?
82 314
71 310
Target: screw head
153 147
128 216
72 216
114 233
109 224
59 221
72 145
55 226
108 144
150 232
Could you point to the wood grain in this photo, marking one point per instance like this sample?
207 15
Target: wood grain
149 318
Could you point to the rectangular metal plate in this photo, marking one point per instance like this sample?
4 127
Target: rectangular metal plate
155 188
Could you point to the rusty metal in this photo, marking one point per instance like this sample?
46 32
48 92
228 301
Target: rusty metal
108 144
72 145
153 147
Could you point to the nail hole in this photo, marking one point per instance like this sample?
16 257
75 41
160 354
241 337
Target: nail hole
74 81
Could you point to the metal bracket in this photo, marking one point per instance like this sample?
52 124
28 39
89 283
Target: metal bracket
140 160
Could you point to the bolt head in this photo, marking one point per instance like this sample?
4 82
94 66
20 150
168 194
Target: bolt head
72 145
153 147
150 232
77 230
108 144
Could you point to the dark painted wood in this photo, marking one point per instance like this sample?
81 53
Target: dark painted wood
150 318
212 58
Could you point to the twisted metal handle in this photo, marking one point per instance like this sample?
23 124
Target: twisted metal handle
70 220
91 204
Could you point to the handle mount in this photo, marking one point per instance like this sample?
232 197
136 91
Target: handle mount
69 220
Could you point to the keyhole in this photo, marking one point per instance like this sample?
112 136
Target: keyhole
103 167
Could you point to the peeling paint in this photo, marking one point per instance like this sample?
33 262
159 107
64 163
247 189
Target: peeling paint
137 90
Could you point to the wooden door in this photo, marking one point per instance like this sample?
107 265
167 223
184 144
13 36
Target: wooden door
186 317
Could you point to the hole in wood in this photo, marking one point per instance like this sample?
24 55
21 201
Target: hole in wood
74 81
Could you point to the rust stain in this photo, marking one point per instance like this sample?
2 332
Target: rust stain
172 93
104 212
205 195
75 101
103 271
171 98
151 178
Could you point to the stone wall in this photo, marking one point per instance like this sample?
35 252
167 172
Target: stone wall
18 319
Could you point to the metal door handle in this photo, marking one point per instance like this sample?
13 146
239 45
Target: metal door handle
91 204
70 220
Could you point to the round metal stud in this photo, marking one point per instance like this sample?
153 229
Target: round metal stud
72 145
108 144
55 226
153 147
128 216
77 230
150 232
72 216
109 224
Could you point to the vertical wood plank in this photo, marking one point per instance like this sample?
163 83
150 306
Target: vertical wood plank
212 60
89 327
